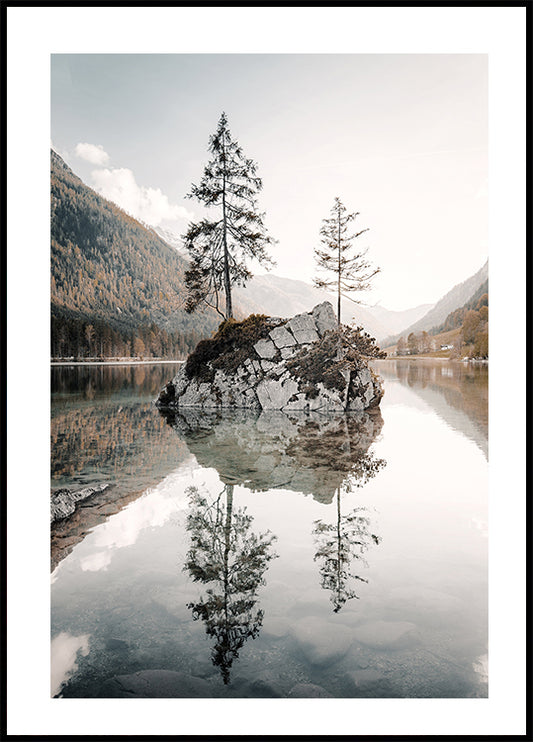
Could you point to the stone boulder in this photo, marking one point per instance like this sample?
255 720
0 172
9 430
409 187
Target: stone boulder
64 502
305 363
156 684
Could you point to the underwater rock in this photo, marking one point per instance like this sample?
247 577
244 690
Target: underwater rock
318 644
156 684
387 634
309 690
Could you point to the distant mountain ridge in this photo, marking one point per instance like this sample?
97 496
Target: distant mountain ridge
171 239
458 296
455 318
395 321
284 297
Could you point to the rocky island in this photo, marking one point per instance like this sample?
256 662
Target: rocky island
306 363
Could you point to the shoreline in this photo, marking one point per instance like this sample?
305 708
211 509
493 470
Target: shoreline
131 362
433 358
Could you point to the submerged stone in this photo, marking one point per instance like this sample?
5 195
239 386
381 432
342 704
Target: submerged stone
368 683
156 684
309 690
319 645
364 677
275 628
116 645
387 634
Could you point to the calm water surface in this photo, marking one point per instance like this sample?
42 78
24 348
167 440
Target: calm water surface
265 555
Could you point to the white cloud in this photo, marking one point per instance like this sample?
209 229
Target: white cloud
154 509
64 654
93 153
149 205
96 562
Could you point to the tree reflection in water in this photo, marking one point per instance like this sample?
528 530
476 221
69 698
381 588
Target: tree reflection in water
346 541
226 555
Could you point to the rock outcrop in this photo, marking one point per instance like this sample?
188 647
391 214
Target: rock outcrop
63 502
305 363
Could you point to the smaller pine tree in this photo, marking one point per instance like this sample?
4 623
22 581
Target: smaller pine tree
349 272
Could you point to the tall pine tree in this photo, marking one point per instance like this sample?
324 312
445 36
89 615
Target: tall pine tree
350 272
219 248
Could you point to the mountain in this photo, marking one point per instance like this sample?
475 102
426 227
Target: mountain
455 319
285 297
395 321
116 287
455 298
172 239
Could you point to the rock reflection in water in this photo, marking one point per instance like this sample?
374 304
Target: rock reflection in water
312 454
326 456
231 560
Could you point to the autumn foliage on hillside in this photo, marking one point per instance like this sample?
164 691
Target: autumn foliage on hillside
116 287
471 323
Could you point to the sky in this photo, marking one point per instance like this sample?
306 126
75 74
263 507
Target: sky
402 139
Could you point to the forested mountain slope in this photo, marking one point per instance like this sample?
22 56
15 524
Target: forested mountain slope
116 287
464 332
455 298
456 318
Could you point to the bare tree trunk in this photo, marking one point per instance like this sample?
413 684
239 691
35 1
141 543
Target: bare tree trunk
227 544
227 525
227 284
339 273
339 553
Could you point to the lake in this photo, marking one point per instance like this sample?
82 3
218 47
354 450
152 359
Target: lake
248 555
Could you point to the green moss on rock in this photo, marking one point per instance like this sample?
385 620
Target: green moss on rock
231 345
319 363
340 350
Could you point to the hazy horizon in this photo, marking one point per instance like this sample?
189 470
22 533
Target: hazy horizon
401 139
